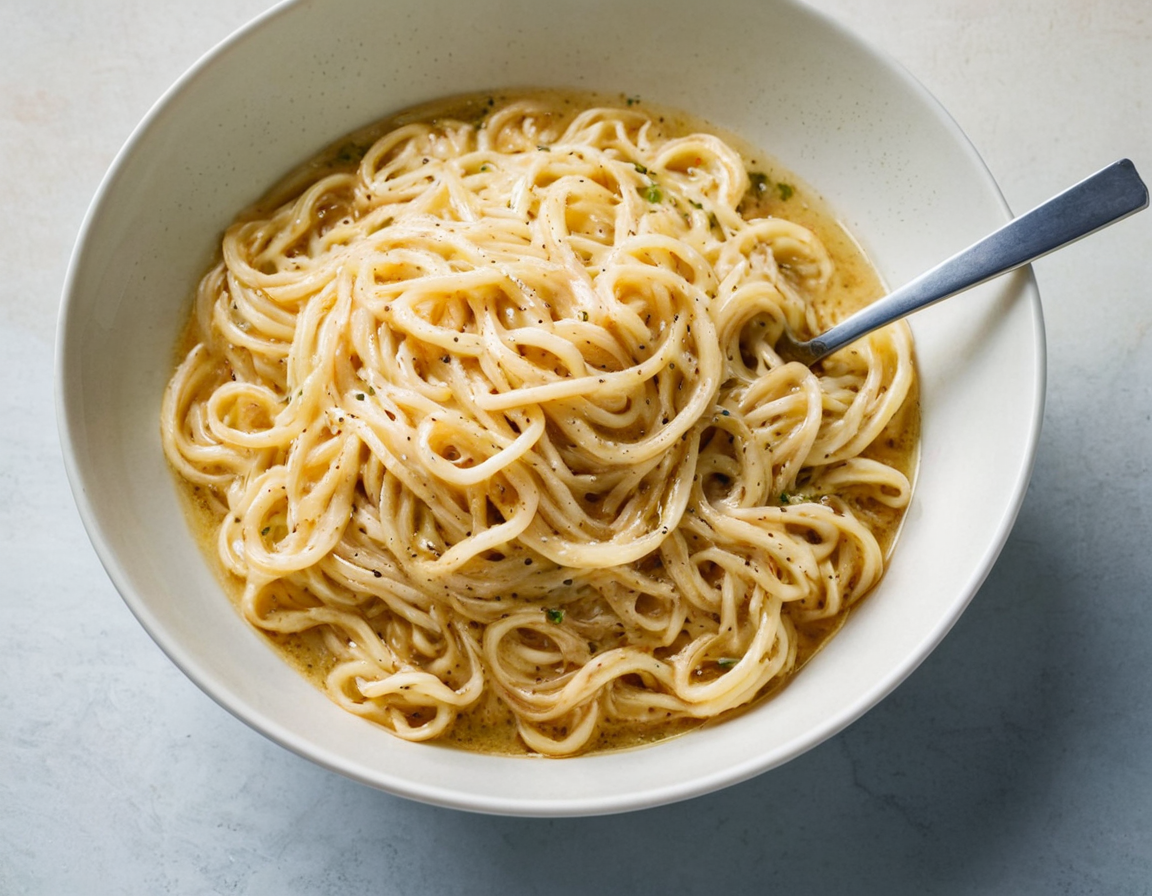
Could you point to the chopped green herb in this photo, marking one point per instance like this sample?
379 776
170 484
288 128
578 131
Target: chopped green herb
695 204
371 391
359 396
727 662
641 168
583 315
653 194
543 148
785 190
265 530
554 615
759 181
633 100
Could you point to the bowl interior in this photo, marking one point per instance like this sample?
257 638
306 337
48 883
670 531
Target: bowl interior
848 121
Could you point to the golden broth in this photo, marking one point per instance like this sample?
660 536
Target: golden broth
490 726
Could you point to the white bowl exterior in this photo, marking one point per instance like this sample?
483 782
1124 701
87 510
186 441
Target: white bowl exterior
847 120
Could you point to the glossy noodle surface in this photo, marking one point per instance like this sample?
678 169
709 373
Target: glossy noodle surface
481 417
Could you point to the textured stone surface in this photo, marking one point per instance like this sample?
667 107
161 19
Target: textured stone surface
1015 760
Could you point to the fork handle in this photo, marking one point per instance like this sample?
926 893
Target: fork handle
1107 196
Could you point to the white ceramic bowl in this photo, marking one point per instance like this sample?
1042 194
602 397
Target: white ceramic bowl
841 116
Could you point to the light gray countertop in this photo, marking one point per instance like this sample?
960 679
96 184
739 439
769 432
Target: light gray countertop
1017 759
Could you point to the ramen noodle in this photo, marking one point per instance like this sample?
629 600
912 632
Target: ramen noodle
482 415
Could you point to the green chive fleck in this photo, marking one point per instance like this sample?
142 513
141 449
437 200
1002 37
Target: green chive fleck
554 616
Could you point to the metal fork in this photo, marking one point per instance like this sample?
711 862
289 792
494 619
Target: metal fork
1104 198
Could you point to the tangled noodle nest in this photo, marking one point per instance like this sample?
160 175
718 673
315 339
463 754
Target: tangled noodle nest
494 416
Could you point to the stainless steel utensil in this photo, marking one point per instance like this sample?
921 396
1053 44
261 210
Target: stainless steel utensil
1104 198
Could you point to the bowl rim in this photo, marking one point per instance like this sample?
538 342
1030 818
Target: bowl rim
429 791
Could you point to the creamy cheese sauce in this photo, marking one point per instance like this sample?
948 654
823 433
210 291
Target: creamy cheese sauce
491 726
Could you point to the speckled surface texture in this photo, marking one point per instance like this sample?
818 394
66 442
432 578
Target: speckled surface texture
1017 759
